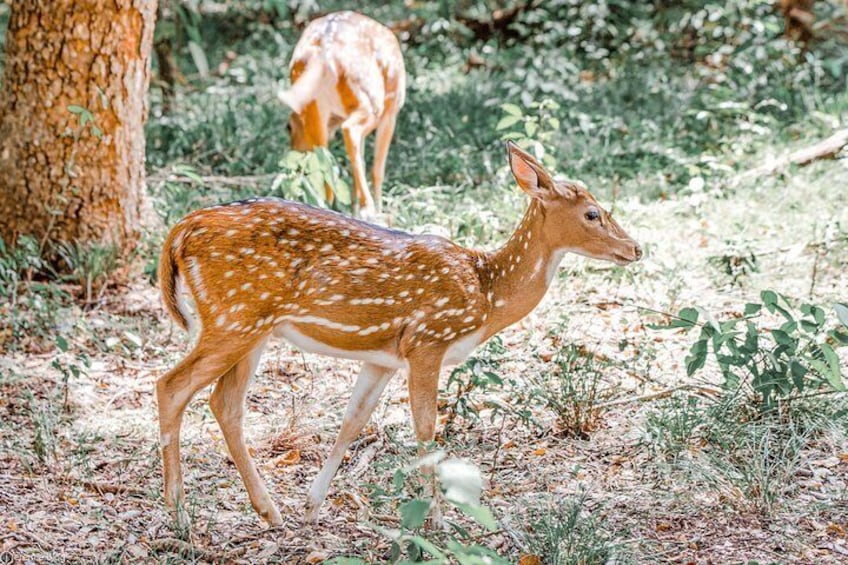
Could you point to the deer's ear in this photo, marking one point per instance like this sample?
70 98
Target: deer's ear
530 174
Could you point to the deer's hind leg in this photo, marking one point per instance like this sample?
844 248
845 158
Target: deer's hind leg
366 394
227 403
354 129
385 131
175 389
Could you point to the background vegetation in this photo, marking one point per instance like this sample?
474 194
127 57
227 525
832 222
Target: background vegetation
606 429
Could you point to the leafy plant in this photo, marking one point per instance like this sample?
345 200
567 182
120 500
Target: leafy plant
305 176
468 382
89 265
75 368
736 262
770 361
534 129
29 309
572 391
461 484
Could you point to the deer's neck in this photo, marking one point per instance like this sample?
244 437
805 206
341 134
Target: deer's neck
516 276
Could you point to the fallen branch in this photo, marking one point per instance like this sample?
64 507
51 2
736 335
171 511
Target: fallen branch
251 181
705 390
826 149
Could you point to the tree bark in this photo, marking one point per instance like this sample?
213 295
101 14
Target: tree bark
72 112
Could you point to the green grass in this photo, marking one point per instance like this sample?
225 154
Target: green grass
565 532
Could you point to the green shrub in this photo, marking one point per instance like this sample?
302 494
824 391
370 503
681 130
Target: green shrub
792 351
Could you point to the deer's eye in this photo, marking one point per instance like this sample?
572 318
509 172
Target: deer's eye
593 215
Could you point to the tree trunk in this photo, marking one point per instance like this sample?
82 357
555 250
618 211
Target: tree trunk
72 112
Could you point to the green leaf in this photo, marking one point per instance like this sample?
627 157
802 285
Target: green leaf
530 128
689 317
74 109
427 546
769 298
798 372
342 192
511 109
752 308
507 121
198 56
839 336
398 479
697 357
841 313
782 337
481 514
414 513
834 375
686 318
62 343
809 326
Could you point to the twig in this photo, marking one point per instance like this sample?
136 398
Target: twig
101 488
30 536
815 272
658 395
494 468
242 539
808 247
185 549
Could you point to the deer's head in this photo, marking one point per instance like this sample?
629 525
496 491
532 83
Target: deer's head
574 221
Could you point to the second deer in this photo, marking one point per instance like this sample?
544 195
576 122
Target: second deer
338 286
347 71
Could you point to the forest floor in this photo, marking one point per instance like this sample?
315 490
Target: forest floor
80 468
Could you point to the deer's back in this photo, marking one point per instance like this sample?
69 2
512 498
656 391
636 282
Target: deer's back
258 264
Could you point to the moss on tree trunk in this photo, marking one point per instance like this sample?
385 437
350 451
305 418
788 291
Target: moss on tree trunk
72 112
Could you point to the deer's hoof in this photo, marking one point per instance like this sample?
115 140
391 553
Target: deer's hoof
271 515
311 514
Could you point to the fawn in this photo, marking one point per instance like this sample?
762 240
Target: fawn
347 70
339 286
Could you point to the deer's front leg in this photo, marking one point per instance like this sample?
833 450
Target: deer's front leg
369 386
424 372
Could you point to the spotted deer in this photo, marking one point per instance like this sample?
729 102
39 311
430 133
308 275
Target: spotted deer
338 286
347 70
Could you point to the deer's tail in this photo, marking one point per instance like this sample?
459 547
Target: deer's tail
305 89
168 277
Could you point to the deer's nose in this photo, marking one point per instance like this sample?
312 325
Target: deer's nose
637 251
